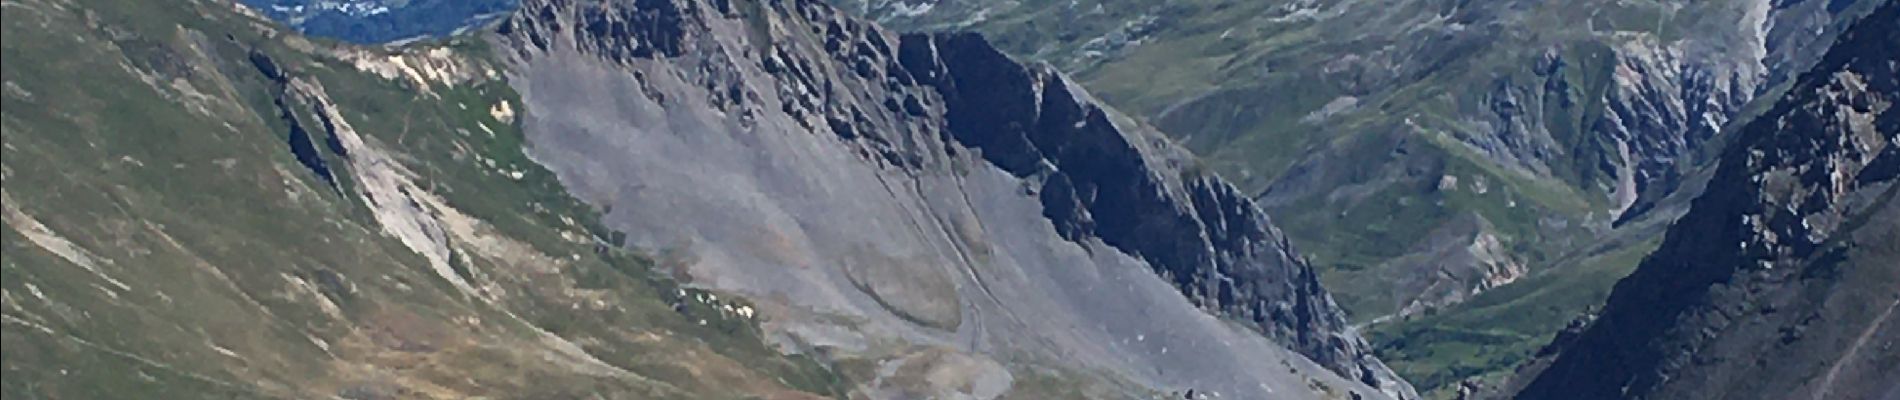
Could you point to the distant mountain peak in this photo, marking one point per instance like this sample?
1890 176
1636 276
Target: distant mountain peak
383 21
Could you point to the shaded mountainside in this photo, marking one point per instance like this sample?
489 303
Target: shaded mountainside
1194 229
901 195
1780 280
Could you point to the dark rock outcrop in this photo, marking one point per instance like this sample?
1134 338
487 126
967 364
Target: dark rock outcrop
1780 281
1195 230
641 29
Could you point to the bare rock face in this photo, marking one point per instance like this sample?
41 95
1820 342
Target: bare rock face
1098 182
1669 99
1465 257
902 199
1779 282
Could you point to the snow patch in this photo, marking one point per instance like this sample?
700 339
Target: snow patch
902 10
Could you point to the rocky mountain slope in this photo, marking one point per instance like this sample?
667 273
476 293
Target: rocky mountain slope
219 207
1471 144
1780 280
901 195
1511 141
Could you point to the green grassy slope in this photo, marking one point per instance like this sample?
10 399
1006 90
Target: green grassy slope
1487 337
162 240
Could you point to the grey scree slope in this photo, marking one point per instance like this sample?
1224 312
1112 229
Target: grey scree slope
929 202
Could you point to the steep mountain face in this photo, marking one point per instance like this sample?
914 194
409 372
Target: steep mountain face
895 200
1379 130
1671 98
1779 281
1650 78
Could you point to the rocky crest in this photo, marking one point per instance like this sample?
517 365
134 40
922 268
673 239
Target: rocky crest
814 116
1778 283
